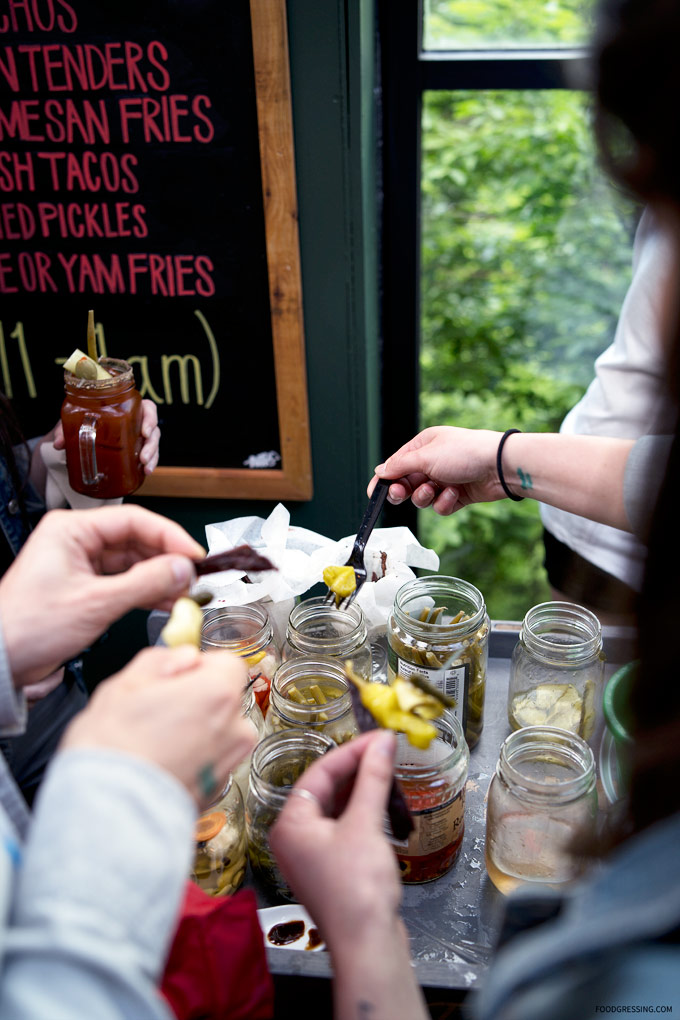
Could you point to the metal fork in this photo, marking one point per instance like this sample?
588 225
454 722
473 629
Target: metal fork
356 557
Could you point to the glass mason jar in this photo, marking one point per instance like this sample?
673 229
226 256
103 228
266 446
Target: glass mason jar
433 784
252 712
557 670
315 628
220 855
278 761
439 629
312 693
102 420
246 631
541 800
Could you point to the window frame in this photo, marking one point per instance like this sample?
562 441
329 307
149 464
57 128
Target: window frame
406 72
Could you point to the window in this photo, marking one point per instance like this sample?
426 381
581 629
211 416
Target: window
518 247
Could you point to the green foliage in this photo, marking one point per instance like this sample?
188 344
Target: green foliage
525 260
453 24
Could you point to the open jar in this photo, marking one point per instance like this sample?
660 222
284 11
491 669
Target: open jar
251 711
277 762
315 628
312 693
433 783
220 854
102 421
557 670
246 631
439 629
542 802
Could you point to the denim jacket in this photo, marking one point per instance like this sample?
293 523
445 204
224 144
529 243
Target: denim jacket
609 947
11 519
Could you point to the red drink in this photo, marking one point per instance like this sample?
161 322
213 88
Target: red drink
102 422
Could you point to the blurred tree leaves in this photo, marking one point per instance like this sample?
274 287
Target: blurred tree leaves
452 24
526 254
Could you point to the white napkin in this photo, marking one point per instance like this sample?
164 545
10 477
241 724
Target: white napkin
301 556
58 492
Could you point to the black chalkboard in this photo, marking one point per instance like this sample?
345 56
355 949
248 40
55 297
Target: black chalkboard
134 181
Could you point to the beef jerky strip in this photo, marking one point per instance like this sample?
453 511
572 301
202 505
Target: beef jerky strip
243 557
398 813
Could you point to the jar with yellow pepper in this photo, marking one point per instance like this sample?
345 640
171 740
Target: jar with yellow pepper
247 631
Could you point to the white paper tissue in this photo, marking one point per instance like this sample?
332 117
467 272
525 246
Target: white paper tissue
301 556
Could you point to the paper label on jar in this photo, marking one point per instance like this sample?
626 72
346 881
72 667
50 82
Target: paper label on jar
433 828
454 682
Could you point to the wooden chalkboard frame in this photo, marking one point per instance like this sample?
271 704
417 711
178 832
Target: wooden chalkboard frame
293 480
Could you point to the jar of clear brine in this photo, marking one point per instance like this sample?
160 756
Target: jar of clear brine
247 631
317 628
557 670
542 802
439 629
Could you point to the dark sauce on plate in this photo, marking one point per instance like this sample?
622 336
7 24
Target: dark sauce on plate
285 933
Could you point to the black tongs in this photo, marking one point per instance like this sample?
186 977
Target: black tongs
356 557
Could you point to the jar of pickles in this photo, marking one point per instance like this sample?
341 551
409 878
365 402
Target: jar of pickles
277 763
316 628
542 801
433 783
220 855
246 631
439 629
557 670
312 692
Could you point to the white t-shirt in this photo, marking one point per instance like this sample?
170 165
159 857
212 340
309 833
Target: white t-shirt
627 399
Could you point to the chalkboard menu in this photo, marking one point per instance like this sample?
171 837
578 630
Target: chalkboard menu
147 172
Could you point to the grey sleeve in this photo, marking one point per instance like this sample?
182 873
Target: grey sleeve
645 470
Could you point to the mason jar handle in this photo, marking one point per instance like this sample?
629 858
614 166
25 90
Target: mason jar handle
87 435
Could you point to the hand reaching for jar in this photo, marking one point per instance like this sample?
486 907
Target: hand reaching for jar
330 845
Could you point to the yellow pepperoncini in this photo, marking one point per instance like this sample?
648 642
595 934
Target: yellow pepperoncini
184 624
401 706
341 580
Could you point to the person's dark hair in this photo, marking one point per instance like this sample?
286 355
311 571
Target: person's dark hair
637 90
638 129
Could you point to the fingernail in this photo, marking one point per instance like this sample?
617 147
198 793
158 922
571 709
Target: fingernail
378 469
385 743
182 572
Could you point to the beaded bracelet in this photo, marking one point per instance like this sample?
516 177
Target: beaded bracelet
499 465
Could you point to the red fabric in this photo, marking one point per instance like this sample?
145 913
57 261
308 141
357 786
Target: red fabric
217 967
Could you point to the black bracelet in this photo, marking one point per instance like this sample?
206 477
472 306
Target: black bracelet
499 465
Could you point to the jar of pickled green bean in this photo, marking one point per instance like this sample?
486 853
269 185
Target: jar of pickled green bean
439 629
278 761
312 693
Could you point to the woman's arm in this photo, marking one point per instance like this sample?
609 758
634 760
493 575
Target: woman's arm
449 468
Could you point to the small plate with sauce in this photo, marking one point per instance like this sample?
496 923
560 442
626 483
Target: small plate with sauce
289 927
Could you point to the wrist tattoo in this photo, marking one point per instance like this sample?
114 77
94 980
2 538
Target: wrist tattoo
365 1009
525 479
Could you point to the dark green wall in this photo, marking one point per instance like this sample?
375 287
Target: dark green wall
332 79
